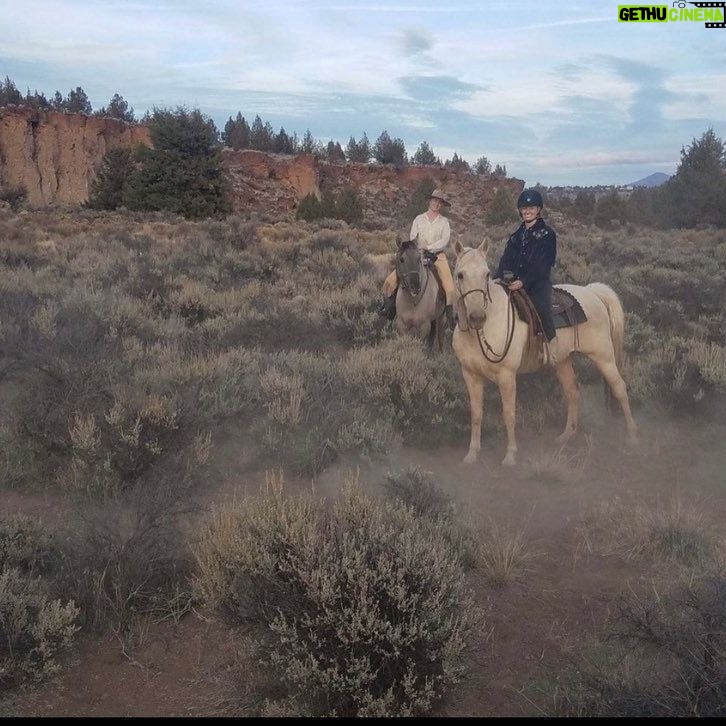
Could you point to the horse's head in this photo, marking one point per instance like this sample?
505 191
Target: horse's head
471 277
409 266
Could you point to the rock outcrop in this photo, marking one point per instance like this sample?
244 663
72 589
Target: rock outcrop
275 184
54 156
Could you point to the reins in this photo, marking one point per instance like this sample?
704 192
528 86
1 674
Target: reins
496 358
405 285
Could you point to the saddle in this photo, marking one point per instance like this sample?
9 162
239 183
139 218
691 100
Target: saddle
566 313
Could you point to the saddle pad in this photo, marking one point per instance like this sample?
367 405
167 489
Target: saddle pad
566 311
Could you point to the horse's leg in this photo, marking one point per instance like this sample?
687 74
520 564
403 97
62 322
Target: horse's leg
440 333
508 391
611 374
566 376
475 386
431 336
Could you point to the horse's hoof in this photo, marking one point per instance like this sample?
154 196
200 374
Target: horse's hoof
633 439
509 460
565 436
471 457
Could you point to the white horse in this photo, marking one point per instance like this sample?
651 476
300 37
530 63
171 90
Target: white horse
494 342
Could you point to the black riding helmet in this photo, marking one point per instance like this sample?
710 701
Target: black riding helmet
530 198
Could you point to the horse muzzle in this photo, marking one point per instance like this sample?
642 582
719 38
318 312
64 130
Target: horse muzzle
476 320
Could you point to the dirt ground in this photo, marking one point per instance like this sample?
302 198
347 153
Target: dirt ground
535 622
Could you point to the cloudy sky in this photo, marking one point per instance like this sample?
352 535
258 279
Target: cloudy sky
560 92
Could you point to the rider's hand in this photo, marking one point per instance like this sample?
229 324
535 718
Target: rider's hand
515 285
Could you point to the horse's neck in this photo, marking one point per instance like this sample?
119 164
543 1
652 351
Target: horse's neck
498 314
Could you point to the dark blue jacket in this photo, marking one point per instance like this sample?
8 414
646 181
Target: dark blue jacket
530 254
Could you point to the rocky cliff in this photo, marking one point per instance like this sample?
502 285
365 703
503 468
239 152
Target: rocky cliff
55 155
276 183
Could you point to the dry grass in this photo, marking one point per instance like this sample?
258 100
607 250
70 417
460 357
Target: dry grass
504 553
633 529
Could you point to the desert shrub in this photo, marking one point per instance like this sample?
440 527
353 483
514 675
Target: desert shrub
126 560
34 627
24 543
15 196
662 654
359 609
416 489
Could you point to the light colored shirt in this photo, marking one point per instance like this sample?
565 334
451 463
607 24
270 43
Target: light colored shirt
432 236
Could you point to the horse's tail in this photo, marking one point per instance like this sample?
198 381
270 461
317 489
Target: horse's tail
617 331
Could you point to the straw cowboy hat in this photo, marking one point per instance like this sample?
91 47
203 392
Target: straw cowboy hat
439 194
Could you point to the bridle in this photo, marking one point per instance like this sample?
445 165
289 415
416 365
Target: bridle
485 291
406 285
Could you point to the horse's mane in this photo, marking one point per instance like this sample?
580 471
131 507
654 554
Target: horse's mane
408 244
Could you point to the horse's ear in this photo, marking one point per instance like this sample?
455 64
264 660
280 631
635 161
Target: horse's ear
484 246
458 248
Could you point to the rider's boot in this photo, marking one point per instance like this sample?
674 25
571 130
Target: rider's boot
388 307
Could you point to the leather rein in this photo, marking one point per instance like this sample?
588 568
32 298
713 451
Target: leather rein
491 356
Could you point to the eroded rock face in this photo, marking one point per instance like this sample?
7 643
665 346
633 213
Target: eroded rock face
274 183
55 155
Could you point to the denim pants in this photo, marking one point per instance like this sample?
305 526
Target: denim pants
541 296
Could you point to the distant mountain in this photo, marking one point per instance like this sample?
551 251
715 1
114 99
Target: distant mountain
654 180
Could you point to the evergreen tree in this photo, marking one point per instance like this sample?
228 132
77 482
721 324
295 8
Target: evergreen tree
77 102
349 206
351 151
502 209
37 100
282 143
334 152
425 156
610 209
500 170
389 151
182 172
308 145
696 192
260 137
327 205
309 208
483 166
109 188
9 94
456 163
58 104
118 108
365 152
236 133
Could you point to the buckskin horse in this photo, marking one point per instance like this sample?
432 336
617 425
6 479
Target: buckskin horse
419 303
491 343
